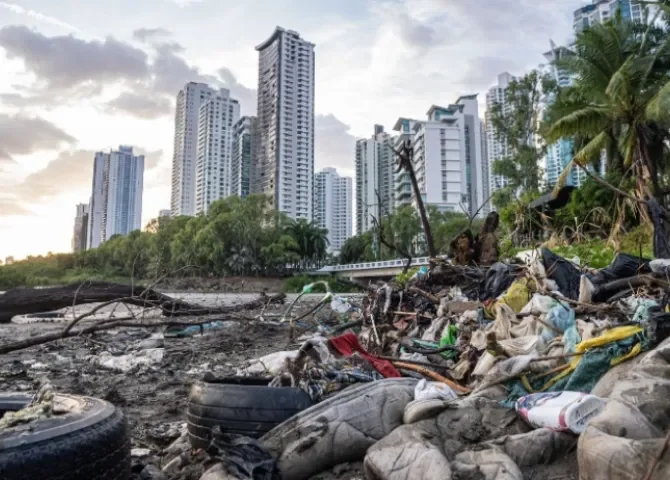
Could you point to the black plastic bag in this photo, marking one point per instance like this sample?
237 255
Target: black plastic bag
661 246
623 266
563 272
497 280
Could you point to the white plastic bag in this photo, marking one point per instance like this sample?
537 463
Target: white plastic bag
425 390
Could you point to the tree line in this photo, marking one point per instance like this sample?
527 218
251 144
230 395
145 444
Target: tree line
235 237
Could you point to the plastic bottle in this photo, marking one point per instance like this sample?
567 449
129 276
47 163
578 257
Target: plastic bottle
561 411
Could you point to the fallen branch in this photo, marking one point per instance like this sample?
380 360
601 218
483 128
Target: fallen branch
428 296
417 362
605 291
22 301
107 325
432 375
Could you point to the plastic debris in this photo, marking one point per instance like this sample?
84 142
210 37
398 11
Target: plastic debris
560 411
130 362
425 390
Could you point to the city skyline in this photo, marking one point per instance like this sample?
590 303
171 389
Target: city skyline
92 103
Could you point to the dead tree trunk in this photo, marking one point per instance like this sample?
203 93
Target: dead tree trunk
405 161
22 301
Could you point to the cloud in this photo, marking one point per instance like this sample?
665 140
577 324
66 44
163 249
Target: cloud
147 34
483 71
12 7
72 170
171 71
245 95
334 145
69 69
184 3
64 62
416 34
23 135
10 206
142 105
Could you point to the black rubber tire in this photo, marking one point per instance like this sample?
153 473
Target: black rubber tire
241 405
90 442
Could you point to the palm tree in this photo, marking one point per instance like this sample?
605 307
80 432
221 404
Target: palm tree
620 100
311 239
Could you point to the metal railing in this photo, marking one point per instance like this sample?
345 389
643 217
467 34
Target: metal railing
399 262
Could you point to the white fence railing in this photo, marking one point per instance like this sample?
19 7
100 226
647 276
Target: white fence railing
398 262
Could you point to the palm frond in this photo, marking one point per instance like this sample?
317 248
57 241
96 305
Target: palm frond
563 177
619 88
590 120
591 149
658 108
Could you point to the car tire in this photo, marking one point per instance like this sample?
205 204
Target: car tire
87 439
240 405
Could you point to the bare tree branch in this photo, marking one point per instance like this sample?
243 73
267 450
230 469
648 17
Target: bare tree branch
405 161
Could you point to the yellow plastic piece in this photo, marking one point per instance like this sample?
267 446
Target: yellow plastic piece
516 297
611 335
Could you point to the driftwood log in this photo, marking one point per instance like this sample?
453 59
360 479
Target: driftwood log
23 301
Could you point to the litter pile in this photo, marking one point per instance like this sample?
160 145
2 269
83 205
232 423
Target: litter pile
508 367
539 368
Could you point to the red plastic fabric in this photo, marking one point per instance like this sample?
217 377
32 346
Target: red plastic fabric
347 344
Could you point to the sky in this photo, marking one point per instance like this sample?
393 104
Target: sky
79 77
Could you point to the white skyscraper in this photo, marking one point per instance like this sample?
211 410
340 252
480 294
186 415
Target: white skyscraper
375 164
332 206
496 149
448 157
599 11
116 199
216 120
284 167
184 159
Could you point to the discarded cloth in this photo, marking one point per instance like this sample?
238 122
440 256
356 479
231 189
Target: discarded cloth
319 382
348 344
340 429
425 390
242 457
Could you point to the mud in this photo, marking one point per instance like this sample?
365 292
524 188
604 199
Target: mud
153 398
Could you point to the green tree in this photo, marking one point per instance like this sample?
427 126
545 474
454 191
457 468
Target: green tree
517 126
620 101
354 249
